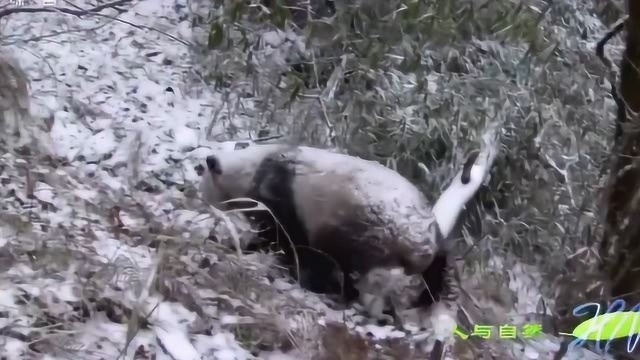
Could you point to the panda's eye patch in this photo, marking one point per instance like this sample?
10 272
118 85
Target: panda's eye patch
213 165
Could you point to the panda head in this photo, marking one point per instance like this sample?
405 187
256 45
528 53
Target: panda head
230 173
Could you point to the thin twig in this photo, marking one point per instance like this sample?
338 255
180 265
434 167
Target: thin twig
143 27
78 13
321 100
267 138
600 47
50 35
94 11
109 5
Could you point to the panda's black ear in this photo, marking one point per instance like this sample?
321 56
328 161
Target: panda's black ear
213 164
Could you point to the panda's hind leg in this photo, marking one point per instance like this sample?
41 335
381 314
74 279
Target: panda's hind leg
435 280
440 299
318 272
344 245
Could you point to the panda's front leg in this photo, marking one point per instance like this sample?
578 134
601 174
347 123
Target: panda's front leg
320 273
374 288
375 305
439 302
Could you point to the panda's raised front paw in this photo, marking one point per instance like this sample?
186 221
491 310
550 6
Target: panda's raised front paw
375 306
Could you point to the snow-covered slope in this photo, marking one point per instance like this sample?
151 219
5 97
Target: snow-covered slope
104 248
110 214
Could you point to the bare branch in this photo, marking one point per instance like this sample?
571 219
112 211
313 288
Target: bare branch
600 47
143 27
110 5
48 36
78 13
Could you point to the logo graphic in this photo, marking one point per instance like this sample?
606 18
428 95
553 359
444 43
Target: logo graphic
504 331
603 327
613 324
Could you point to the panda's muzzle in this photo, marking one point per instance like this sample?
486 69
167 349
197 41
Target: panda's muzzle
213 165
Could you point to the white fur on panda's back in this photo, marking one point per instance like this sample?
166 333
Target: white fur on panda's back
329 186
406 213
374 181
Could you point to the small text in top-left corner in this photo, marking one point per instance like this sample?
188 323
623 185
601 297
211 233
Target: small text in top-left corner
16 3
20 3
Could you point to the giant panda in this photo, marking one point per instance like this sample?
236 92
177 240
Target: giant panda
341 211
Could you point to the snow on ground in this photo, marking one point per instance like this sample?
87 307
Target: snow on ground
87 232
81 240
